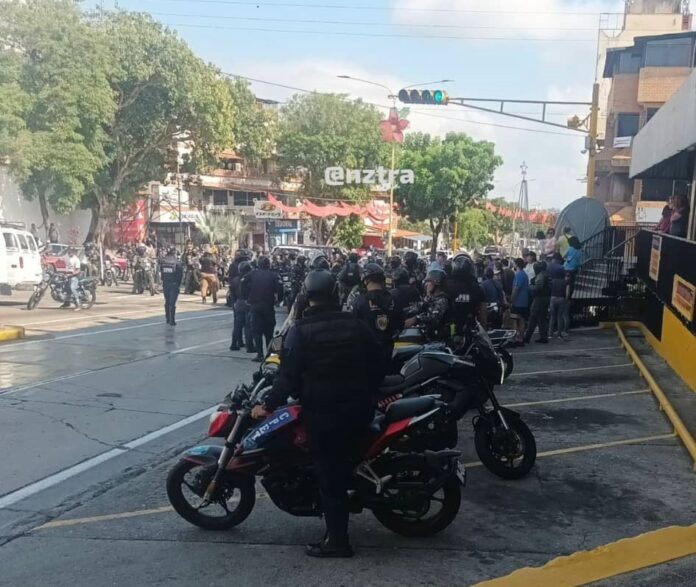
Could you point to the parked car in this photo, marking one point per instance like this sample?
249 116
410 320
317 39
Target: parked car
54 257
20 262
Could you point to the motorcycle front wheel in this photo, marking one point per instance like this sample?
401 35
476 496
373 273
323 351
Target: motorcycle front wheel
508 361
409 513
235 497
35 298
510 453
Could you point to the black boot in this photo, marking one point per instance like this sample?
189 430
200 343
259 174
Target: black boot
167 314
172 314
336 543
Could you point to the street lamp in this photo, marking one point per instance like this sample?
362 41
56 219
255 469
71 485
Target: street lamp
392 96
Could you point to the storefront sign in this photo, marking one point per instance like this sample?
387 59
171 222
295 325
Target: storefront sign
265 210
655 253
277 226
684 297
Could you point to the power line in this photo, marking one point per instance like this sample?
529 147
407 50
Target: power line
380 35
382 24
390 8
417 112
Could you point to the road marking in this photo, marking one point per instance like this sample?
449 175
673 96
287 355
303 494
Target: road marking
609 560
574 449
576 399
52 480
566 350
105 331
104 518
571 370
199 346
82 316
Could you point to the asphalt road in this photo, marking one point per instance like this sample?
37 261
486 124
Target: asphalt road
92 419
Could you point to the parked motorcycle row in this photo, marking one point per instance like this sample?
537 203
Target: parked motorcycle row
409 474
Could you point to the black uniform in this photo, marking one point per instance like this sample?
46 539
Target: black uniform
333 361
405 297
261 288
465 296
172 273
379 311
242 321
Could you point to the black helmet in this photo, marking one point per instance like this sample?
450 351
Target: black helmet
353 257
437 278
301 260
400 277
373 272
171 251
320 283
292 256
395 262
140 249
244 267
264 263
410 259
463 265
320 262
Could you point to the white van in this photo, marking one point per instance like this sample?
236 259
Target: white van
20 261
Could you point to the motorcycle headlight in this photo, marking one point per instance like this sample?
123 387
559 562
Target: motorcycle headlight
269 369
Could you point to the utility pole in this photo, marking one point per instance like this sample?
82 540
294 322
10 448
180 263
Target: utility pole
522 209
178 191
592 142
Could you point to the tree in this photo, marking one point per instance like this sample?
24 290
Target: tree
349 233
473 227
165 96
223 228
318 131
255 128
450 173
55 96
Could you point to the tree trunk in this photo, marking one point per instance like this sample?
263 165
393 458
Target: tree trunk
44 211
96 224
436 229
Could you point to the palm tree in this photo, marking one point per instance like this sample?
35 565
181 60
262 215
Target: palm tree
222 228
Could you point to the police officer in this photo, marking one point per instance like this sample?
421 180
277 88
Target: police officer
334 361
406 295
189 260
349 277
261 289
377 308
392 267
242 320
172 273
466 295
436 309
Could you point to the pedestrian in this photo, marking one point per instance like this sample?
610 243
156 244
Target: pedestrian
189 260
507 277
262 289
665 221
573 261
530 258
172 273
241 331
73 267
209 279
333 362
549 244
563 243
520 301
539 310
34 232
493 289
53 235
680 216
558 308
377 308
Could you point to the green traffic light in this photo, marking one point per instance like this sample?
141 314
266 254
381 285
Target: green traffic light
438 97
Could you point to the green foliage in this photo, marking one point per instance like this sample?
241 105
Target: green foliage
223 229
473 228
421 226
450 173
255 128
349 232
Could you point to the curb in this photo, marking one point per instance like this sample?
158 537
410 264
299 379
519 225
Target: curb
11 333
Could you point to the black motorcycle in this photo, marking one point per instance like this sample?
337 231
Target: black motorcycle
59 286
143 276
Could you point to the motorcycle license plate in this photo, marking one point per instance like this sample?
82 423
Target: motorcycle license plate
461 473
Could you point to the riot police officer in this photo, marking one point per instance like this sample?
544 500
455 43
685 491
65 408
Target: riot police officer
377 308
436 308
242 320
349 277
405 294
172 273
333 361
262 288
466 295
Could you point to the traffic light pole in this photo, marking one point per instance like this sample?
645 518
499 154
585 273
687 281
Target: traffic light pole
592 147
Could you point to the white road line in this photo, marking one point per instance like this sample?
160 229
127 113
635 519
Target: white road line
576 399
567 350
11 346
571 370
65 474
199 346
115 314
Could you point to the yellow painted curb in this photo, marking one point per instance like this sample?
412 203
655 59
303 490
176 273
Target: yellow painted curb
679 428
11 332
609 560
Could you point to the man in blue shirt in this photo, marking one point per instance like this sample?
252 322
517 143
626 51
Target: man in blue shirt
573 261
520 301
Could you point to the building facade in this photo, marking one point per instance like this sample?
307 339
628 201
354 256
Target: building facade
643 77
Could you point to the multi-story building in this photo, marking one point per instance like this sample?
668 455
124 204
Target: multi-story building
643 77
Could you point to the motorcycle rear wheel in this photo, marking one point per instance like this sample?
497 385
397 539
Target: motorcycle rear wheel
509 454
235 489
411 521
87 300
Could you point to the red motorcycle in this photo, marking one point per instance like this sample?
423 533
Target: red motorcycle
412 494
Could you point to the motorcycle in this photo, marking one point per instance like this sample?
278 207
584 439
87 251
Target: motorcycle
288 291
60 290
465 380
412 494
143 276
110 277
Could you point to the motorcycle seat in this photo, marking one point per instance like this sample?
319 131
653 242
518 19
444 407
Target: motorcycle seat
392 384
407 408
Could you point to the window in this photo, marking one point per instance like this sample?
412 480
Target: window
244 198
10 242
220 198
650 113
668 53
627 125
32 244
627 63
23 242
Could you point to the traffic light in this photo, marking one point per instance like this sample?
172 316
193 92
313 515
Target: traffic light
435 97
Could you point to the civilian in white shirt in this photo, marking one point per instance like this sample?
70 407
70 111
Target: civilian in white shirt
73 267
531 258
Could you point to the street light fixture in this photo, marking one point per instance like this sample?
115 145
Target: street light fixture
393 98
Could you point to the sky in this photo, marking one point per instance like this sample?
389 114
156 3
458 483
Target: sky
505 49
